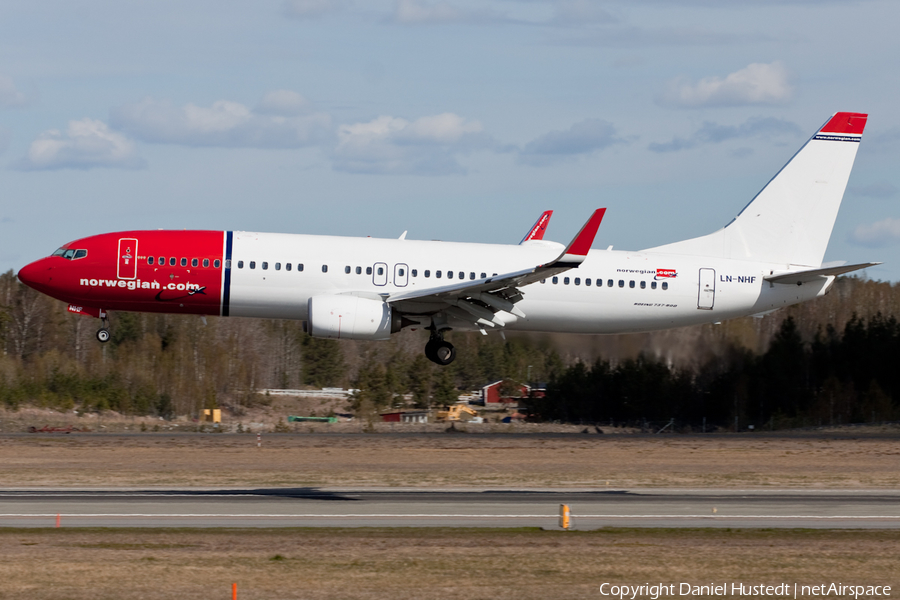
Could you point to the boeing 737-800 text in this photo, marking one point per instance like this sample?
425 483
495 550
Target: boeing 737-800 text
768 257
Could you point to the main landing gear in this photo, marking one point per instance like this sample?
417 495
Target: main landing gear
438 351
103 332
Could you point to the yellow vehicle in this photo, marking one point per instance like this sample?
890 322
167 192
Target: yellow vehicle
455 412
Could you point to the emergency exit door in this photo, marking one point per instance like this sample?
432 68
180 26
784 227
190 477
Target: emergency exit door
707 294
127 268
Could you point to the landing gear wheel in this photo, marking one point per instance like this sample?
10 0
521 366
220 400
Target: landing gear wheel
103 335
440 352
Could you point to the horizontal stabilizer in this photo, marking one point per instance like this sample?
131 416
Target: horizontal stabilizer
798 277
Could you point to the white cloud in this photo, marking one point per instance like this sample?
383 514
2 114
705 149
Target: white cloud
713 133
10 96
283 102
312 9
86 144
582 138
758 83
224 123
878 234
416 12
426 146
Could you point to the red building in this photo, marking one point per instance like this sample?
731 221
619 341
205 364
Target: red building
490 394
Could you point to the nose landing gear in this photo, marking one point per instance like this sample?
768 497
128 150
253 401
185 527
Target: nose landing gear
103 333
438 351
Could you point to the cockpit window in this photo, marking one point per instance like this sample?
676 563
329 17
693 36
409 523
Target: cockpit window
70 253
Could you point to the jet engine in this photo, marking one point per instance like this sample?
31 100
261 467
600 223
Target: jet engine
351 318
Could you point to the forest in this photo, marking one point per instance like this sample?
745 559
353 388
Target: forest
830 361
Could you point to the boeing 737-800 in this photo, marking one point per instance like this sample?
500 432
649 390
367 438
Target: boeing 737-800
768 257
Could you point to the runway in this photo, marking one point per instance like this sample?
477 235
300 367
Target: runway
313 507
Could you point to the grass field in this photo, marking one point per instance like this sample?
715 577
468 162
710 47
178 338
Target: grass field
397 564
439 459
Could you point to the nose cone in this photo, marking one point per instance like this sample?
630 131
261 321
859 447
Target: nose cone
37 275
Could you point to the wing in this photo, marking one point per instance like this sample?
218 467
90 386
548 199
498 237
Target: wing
490 301
539 228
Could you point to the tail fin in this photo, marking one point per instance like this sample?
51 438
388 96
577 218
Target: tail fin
791 219
540 226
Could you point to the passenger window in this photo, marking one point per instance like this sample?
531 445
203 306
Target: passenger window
149 260
462 275
449 274
401 272
299 266
578 281
265 266
652 285
587 281
631 283
205 262
227 263
609 283
195 262
643 285
381 270
665 285
277 266
599 282
437 274
414 272
287 266
183 262
427 273
368 270
543 281
555 280
484 275
471 275
240 264
359 270
347 269
621 283
324 268
172 261
565 281
252 264
80 254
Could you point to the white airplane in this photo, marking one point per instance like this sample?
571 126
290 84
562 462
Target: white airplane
768 257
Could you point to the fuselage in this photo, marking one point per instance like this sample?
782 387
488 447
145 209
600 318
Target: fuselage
246 274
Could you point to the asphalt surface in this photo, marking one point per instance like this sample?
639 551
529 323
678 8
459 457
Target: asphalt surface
316 507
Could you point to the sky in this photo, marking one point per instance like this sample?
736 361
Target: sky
454 120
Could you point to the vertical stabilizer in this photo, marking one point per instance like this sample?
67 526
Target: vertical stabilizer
791 219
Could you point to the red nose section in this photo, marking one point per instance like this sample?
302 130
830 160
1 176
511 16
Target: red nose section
37 275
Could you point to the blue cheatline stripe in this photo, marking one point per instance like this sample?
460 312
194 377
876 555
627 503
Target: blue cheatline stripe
226 293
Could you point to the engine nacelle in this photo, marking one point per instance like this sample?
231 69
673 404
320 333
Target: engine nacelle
351 318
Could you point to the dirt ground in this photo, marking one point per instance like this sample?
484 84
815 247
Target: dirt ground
810 460
399 564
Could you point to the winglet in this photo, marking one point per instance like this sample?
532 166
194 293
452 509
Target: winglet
577 249
537 230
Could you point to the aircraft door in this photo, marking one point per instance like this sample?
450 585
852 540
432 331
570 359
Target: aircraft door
707 295
401 275
127 267
379 274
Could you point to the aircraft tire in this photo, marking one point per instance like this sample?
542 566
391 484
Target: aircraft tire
103 335
444 353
